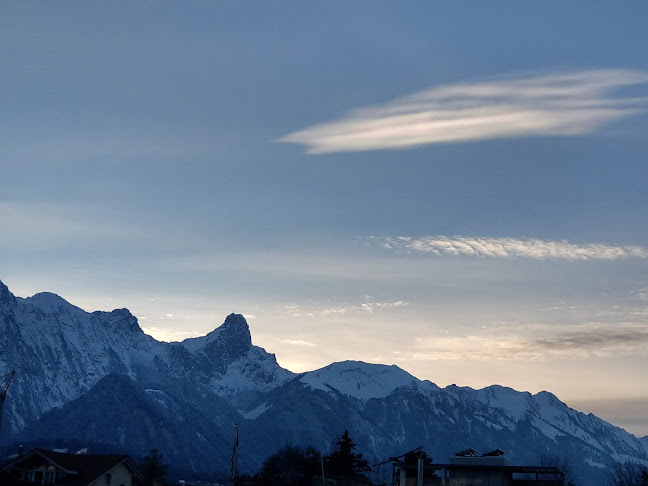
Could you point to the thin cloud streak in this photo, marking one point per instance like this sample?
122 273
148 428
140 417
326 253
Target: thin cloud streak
54 226
169 335
298 342
578 342
562 104
510 248
369 307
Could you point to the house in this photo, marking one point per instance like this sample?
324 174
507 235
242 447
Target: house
45 467
469 468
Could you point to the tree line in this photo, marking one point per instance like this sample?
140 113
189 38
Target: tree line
296 466
289 466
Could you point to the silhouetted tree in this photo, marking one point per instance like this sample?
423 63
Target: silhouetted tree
628 474
343 461
561 462
290 466
153 469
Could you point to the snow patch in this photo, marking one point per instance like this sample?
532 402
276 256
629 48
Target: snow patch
363 381
595 464
256 412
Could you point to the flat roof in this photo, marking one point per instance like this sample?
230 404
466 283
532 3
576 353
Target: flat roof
501 467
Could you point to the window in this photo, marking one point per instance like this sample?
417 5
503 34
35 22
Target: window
49 477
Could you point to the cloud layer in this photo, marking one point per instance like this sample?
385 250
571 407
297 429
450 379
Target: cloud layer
511 248
370 307
509 343
558 104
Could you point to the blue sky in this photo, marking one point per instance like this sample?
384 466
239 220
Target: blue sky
459 189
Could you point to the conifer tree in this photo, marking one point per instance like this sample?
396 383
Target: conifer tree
153 469
343 461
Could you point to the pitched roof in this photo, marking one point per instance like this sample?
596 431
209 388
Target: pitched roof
495 453
467 453
85 467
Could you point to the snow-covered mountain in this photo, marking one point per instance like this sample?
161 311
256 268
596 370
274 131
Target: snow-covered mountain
96 378
361 380
61 351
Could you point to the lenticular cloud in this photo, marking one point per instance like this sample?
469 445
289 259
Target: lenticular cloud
558 104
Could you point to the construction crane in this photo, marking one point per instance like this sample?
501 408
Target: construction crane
3 393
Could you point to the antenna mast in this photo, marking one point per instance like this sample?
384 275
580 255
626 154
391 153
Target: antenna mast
236 443
3 392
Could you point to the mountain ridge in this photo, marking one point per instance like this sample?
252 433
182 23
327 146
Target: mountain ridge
192 392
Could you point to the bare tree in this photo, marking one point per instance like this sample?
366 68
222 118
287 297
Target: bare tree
628 474
561 462
290 466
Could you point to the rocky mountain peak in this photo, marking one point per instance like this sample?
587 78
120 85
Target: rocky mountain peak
7 299
225 344
49 302
231 340
120 319
235 326
89 377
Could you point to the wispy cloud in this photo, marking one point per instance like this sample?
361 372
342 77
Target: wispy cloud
298 342
509 248
557 104
55 226
370 307
518 342
169 335
28 225
300 311
602 339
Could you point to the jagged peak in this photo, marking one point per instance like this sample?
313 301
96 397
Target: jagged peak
123 318
6 296
51 303
235 329
235 319
235 323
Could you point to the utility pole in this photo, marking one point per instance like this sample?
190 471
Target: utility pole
3 393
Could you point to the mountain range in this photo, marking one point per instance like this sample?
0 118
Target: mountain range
97 380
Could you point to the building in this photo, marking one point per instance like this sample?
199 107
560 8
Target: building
468 468
45 467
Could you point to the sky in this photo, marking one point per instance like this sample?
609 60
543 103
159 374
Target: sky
456 188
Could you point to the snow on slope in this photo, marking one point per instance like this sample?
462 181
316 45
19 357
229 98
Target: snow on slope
239 365
644 443
60 351
256 370
548 415
361 380
514 404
